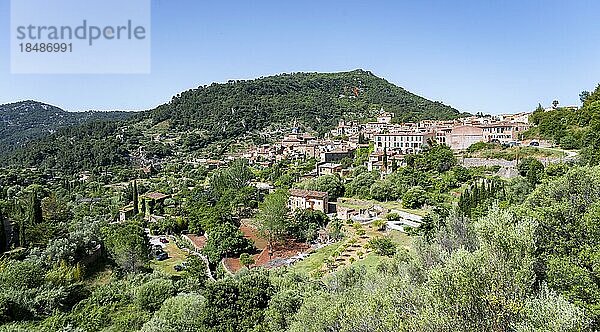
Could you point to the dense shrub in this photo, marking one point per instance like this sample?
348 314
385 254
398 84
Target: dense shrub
152 294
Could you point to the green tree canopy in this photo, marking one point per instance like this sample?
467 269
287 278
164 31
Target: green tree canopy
127 245
273 215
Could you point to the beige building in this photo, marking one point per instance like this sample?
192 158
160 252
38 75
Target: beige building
503 132
308 199
442 134
461 137
519 117
295 139
346 128
329 168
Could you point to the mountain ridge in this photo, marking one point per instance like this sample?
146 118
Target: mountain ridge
27 120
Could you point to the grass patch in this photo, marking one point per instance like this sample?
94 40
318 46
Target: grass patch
402 239
176 256
357 204
315 261
160 128
100 278
395 205
354 203
371 261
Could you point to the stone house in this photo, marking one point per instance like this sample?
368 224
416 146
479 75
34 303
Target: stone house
308 199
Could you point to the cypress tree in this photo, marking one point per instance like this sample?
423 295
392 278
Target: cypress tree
22 238
385 158
35 216
2 234
394 165
135 198
465 202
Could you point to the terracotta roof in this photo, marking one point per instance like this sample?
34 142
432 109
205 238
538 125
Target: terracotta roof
307 193
155 195
198 240
232 264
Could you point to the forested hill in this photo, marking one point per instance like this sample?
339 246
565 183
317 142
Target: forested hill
316 100
26 120
210 118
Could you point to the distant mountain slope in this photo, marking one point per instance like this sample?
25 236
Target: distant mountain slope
208 119
24 121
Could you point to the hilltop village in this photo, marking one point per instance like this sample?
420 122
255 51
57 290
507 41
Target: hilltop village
391 142
380 147
292 212
300 166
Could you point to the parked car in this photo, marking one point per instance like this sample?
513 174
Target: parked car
163 240
534 143
162 256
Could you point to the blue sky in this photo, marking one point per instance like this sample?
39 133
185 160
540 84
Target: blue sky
488 56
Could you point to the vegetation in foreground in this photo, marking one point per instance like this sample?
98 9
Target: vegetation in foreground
492 254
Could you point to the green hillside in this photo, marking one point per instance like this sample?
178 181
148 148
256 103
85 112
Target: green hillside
208 119
571 128
316 100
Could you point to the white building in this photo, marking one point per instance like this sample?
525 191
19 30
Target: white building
385 117
403 142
